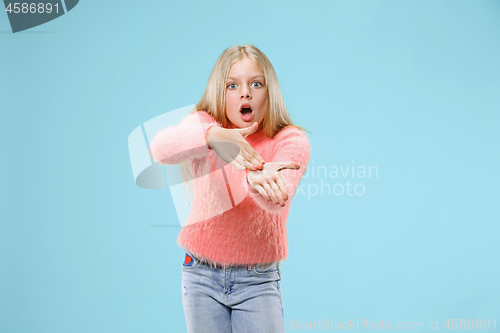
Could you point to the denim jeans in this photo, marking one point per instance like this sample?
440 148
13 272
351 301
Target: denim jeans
232 299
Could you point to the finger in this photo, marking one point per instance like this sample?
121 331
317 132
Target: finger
289 165
237 165
271 193
251 158
262 191
249 130
282 186
245 163
278 193
254 156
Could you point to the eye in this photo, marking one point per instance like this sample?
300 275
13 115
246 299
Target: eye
260 84
231 84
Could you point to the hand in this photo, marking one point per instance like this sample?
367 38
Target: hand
269 183
231 146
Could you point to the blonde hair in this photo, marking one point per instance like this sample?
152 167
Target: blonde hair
213 100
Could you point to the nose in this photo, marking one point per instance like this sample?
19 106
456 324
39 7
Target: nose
245 92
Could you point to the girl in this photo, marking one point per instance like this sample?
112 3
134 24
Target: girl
246 159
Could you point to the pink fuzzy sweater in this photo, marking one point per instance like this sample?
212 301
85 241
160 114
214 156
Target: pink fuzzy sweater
230 223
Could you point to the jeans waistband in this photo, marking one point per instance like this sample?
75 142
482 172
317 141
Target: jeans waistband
249 266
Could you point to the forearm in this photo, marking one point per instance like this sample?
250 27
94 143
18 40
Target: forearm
184 141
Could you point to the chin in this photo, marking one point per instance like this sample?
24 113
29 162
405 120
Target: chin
238 124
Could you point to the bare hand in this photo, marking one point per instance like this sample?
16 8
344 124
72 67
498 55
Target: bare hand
269 183
231 146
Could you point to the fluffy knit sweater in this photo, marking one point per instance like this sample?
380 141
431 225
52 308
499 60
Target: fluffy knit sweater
231 223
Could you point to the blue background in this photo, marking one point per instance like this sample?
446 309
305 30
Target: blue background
411 87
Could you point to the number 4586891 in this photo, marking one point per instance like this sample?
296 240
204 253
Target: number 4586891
31 8
470 324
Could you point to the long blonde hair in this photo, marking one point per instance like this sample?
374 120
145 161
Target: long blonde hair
213 100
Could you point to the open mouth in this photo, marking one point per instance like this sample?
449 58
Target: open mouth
246 110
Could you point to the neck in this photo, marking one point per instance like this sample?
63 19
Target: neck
261 126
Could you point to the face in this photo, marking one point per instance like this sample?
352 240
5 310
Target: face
246 87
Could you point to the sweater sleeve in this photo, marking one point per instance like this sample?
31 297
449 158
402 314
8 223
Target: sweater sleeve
292 146
184 141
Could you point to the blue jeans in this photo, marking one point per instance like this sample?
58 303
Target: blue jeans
233 299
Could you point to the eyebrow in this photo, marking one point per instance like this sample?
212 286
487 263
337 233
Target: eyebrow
252 77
